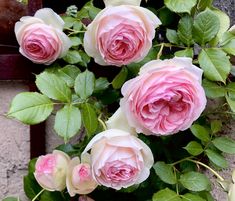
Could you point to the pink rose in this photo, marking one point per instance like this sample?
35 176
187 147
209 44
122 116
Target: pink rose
120 35
119 159
41 37
51 169
79 178
165 98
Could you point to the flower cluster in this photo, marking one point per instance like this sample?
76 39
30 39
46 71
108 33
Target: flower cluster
165 79
117 160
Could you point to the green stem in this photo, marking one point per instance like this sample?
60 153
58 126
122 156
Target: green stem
209 168
176 185
35 198
199 163
159 54
102 123
182 160
169 45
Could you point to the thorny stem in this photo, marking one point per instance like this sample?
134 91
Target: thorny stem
199 163
169 45
182 160
209 168
35 198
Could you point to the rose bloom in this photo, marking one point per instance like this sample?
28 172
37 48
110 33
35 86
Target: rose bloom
119 159
165 98
120 35
41 37
79 178
51 169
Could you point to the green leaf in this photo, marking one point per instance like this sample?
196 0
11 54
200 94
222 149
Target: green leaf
230 47
72 57
89 118
195 181
120 78
165 172
11 199
205 27
76 41
185 28
77 26
166 16
52 196
200 132
212 89
206 195
194 148
69 21
231 90
216 158
101 84
216 126
88 11
203 4
67 148
226 38
166 195
225 144
69 74
215 64
231 103
172 36
85 84
67 122
185 53
53 86
192 197
224 22
180 6
85 58
31 187
30 107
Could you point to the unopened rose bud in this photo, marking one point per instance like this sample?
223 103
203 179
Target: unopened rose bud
50 171
79 179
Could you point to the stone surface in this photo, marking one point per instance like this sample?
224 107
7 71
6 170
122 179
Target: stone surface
227 6
14 148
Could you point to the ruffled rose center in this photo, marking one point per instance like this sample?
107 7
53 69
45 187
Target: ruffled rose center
81 173
118 171
122 43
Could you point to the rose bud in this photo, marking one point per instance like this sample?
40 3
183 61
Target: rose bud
51 169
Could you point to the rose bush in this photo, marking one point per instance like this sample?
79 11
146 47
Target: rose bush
166 97
119 159
41 37
167 75
121 34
